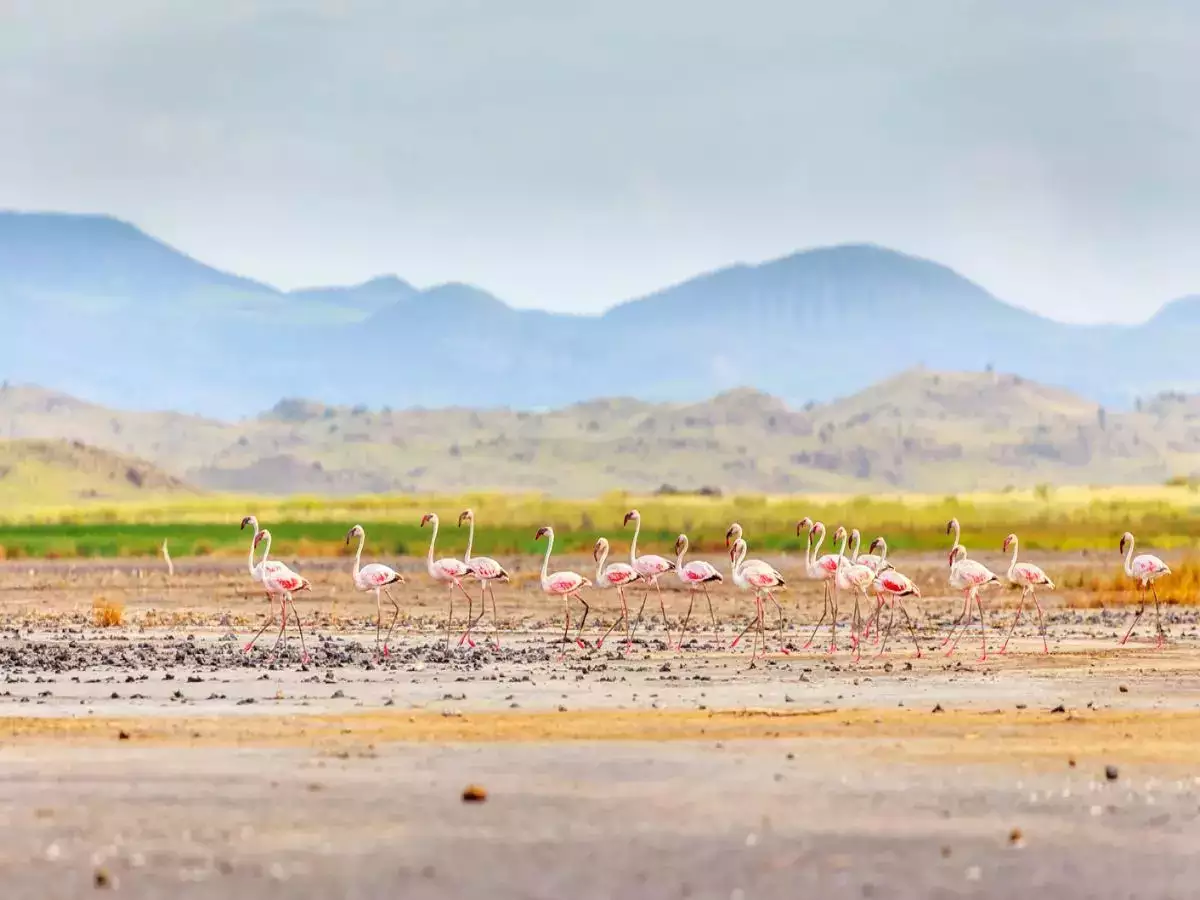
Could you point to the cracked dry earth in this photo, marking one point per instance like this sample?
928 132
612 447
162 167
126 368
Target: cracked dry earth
156 759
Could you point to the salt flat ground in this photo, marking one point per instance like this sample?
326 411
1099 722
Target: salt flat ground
154 758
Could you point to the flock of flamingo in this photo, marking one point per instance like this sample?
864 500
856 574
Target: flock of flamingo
854 574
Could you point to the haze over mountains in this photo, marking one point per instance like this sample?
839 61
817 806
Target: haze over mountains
96 308
922 430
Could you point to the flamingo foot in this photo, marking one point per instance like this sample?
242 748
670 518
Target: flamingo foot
918 653
305 659
807 644
1003 649
1160 643
982 657
581 643
247 648
832 648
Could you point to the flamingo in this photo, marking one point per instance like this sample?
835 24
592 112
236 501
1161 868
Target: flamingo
1146 569
565 585
374 577
648 566
279 580
256 568
856 578
486 570
895 585
953 525
877 564
1027 576
825 568
616 575
448 571
969 576
756 575
697 575
734 532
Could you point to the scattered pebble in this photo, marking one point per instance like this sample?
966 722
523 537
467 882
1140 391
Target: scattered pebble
1111 773
474 793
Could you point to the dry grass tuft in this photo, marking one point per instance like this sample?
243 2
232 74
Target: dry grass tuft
107 613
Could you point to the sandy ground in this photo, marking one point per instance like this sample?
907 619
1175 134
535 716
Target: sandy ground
156 757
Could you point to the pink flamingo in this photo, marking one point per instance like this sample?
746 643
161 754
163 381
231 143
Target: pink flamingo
734 532
256 568
648 566
969 576
953 526
856 578
1146 569
894 586
280 581
616 575
565 585
877 563
697 575
1027 576
825 568
756 575
374 577
486 570
448 571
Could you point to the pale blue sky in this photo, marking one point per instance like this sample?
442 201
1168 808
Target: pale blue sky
568 155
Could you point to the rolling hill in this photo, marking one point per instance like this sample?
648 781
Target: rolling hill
59 472
96 308
921 430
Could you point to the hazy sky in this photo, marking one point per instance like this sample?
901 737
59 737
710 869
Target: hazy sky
569 154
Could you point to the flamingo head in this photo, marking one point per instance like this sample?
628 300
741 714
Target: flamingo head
733 534
878 542
681 544
957 553
250 520
544 531
599 550
305 585
260 535
839 534
466 516
356 531
818 528
804 525
1008 542
428 517
952 525
1126 539
632 516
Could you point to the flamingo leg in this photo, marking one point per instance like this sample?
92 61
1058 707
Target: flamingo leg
885 635
762 631
582 622
378 619
270 619
663 606
641 609
450 618
820 621
982 627
833 624
712 615
395 616
778 609
954 645
742 634
1162 637
562 653
471 623
470 612
495 618
300 628
624 617
683 628
911 630
1016 619
282 628
1137 615
961 616
1041 621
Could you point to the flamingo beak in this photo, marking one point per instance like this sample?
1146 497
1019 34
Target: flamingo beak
628 516
461 518
245 522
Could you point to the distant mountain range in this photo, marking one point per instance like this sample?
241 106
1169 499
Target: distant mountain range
940 432
94 307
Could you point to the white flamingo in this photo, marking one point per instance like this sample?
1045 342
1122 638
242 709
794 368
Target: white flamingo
617 575
256 568
486 570
825 569
877 563
953 526
1027 577
447 570
374 577
697 575
734 532
565 585
648 566
1146 569
280 581
970 577
762 578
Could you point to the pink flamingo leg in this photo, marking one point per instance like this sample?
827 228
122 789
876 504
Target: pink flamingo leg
982 627
395 616
1012 628
299 627
820 621
1136 616
269 620
579 634
961 616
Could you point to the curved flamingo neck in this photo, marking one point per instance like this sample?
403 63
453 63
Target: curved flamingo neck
432 541
882 553
637 529
808 554
816 552
842 550
362 539
470 539
1012 565
546 558
957 532
600 562
253 535
266 553
1129 558
740 550
680 553
857 544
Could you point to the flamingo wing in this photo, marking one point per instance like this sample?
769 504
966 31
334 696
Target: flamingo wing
377 575
698 571
566 582
650 565
1030 574
620 574
452 568
486 568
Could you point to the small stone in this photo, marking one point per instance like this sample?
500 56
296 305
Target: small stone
474 793
1111 773
122 735
101 879
938 708
1071 762
1016 837
338 695
1124 689
1059 709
